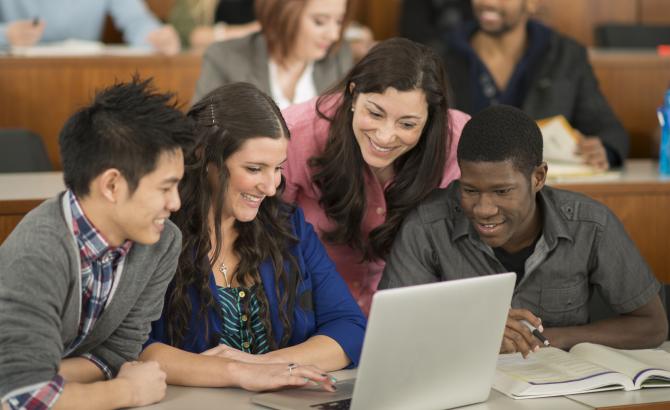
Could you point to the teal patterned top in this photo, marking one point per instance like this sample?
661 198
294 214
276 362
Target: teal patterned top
242 326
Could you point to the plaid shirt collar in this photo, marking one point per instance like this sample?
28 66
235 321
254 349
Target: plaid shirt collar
93 244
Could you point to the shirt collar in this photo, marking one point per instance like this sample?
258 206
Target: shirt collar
88 235
554 224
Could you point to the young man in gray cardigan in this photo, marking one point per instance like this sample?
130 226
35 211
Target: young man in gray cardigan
84 274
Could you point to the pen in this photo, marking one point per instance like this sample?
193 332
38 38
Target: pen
536 333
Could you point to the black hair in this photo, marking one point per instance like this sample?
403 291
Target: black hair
339 170
127 127
502 133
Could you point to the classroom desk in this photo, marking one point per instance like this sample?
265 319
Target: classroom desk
21 192
638 196
193 398
232 398
41 93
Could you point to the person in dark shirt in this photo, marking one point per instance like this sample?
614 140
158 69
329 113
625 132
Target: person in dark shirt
505 57
563 246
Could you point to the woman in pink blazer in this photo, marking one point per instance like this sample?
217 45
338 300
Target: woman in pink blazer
367 151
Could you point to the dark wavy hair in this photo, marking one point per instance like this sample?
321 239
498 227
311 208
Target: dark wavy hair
224 120
502 133
339 171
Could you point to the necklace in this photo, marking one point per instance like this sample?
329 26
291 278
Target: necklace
224 271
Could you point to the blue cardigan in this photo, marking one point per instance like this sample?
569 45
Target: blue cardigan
324 305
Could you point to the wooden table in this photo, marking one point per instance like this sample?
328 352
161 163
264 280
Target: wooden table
194 398
21 192
41 93
638 196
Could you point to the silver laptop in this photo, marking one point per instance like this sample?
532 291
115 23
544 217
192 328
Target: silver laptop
430 346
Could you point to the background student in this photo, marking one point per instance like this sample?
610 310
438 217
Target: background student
256 301
368 151
27 22
83 275
563 246
296 56
505 57
202 22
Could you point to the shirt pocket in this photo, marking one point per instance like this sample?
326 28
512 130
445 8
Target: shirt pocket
565 306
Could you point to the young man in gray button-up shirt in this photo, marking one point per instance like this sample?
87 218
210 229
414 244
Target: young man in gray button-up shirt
501 217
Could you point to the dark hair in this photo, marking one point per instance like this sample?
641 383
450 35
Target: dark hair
339 171
225 119
127 127
280 23
502 133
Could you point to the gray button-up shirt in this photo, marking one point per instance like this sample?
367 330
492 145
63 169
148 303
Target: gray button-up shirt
583 245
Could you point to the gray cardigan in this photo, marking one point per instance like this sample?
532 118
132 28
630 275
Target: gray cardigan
40 298
246 59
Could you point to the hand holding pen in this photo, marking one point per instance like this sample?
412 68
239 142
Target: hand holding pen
537 332
519 335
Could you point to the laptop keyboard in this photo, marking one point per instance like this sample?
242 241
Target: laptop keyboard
344 404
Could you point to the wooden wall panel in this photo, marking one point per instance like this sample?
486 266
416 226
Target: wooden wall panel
634 84
578 18
381 16
655 12
7 224
41 93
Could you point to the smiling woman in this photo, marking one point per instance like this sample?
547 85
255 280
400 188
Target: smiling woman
370 149
296 56
255 294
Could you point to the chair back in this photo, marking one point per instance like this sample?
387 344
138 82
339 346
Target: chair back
22 151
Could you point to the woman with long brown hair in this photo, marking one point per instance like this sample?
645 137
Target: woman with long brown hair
255 302
368 151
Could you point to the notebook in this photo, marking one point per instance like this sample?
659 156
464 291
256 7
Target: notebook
430 346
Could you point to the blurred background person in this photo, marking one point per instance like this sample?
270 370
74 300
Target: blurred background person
29 22
297 55
202 22
506 57
426 21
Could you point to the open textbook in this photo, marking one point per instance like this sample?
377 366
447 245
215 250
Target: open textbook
560 142
586 368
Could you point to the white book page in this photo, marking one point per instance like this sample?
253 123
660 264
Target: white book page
632 363
548 365
636 364
551 371
558 142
